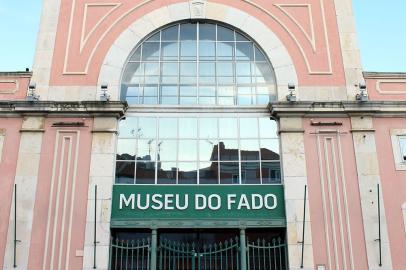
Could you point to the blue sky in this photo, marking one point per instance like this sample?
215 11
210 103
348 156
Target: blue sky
381 27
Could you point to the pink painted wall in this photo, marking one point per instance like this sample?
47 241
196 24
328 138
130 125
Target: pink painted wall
334 199
393 188
308 30
11 128
387 88
14 87
59 223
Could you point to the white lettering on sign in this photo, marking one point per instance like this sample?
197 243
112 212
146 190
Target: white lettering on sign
213 202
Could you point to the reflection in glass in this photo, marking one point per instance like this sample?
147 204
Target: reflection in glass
126 149
271 172
170 33
146 149
228 128
208 173
249 149
207 32
167 150
187 127
187 173
168 127
128 128
187 150
229 173
244 51
125 172
167 173
249 127
188 50
188 32
145 173
267 128
228 150
250 173
208 128
402 142
146 127
269 149
225 34
150 51
208 150
207 51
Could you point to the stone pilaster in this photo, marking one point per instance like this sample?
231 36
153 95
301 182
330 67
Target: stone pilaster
368 178
295 179
26 179
102 167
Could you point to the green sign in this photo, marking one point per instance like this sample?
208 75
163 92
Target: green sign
136 204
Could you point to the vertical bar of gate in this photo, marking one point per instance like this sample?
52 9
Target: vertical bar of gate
154 240
15 226
94 233
243 250
379 227
304 223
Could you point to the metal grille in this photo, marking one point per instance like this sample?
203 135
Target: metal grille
130 255
266 255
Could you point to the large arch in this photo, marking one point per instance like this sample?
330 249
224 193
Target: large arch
118 53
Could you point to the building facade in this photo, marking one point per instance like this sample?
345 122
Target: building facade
201 134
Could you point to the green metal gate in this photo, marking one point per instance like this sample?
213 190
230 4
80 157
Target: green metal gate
227 255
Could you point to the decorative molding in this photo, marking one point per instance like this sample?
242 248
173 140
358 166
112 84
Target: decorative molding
85 71
2 136
9 81
309 36
390 92
197 9
302 51
404 214
83 38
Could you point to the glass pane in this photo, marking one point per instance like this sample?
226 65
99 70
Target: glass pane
187 127
169 100
264 73
167 150
240 37
207 91
151 100
225 50
145 173
208 173
169 69
187 150
228 150
188 31
125 172
271 172
132 100
147 127
187 173
228 127
208 150
267 128
167 173
188 100
208 128
207 50
243 69
187 69
250 173
150 91
126 149
169 90
207 100
169 50
207 32
137 55
168 127
270 149
224 34
229 173
207 69
262 99
133 91
259 56
146 149
170 33
151 69
132 69
188 50
249 149
249 127
154 37
150 51
244 90
128 128
244 51
226 90
402 142
188 91
244 100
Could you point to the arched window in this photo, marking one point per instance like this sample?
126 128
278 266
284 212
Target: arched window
198 64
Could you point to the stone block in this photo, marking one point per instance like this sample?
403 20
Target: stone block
105 123
104 143
33 123
102 165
